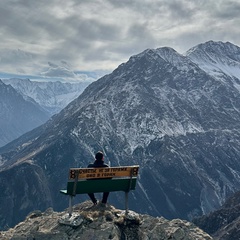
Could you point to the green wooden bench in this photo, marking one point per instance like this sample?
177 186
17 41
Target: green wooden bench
95 180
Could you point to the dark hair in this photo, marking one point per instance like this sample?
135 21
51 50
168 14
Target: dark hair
99 156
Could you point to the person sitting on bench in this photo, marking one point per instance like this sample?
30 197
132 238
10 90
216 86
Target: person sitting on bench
98 163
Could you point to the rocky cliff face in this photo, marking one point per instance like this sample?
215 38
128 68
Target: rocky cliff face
100 222
51 96
17 115
223 223
160 110
36 196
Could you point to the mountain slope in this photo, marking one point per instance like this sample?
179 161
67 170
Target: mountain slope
217 59
223 223
17 115
52 96
160 110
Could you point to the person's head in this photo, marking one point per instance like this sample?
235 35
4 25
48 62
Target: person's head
99 156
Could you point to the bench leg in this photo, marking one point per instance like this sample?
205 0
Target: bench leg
70 205
126 203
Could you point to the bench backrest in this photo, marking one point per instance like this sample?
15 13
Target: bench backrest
93 180
112 172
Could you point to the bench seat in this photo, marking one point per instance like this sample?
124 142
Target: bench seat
100 185
93 180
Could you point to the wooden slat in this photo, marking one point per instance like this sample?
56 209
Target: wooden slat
100 185
111 172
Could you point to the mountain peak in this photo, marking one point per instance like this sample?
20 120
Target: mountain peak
218 48
217 58
101 222
166 53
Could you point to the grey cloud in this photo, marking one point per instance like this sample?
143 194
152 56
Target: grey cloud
101 33
180 10
82 37
18 61
227 10
144 7
55 70
136 39
31 21
17 55
52 65
92 29
174 9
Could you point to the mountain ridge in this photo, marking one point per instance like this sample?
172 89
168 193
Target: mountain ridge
171 117
212 60
223 222
51 96
17 115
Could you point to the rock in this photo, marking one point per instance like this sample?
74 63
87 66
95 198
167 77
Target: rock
224 222
100 222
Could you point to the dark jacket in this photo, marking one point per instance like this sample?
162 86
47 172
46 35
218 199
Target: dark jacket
97 164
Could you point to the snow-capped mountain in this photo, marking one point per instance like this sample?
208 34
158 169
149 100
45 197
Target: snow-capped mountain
217 59
17 115
52 96
161 110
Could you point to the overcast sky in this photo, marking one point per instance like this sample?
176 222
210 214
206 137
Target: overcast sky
58 38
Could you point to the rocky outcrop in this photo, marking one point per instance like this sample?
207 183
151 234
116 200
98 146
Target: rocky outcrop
100 222
223 223
16 206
